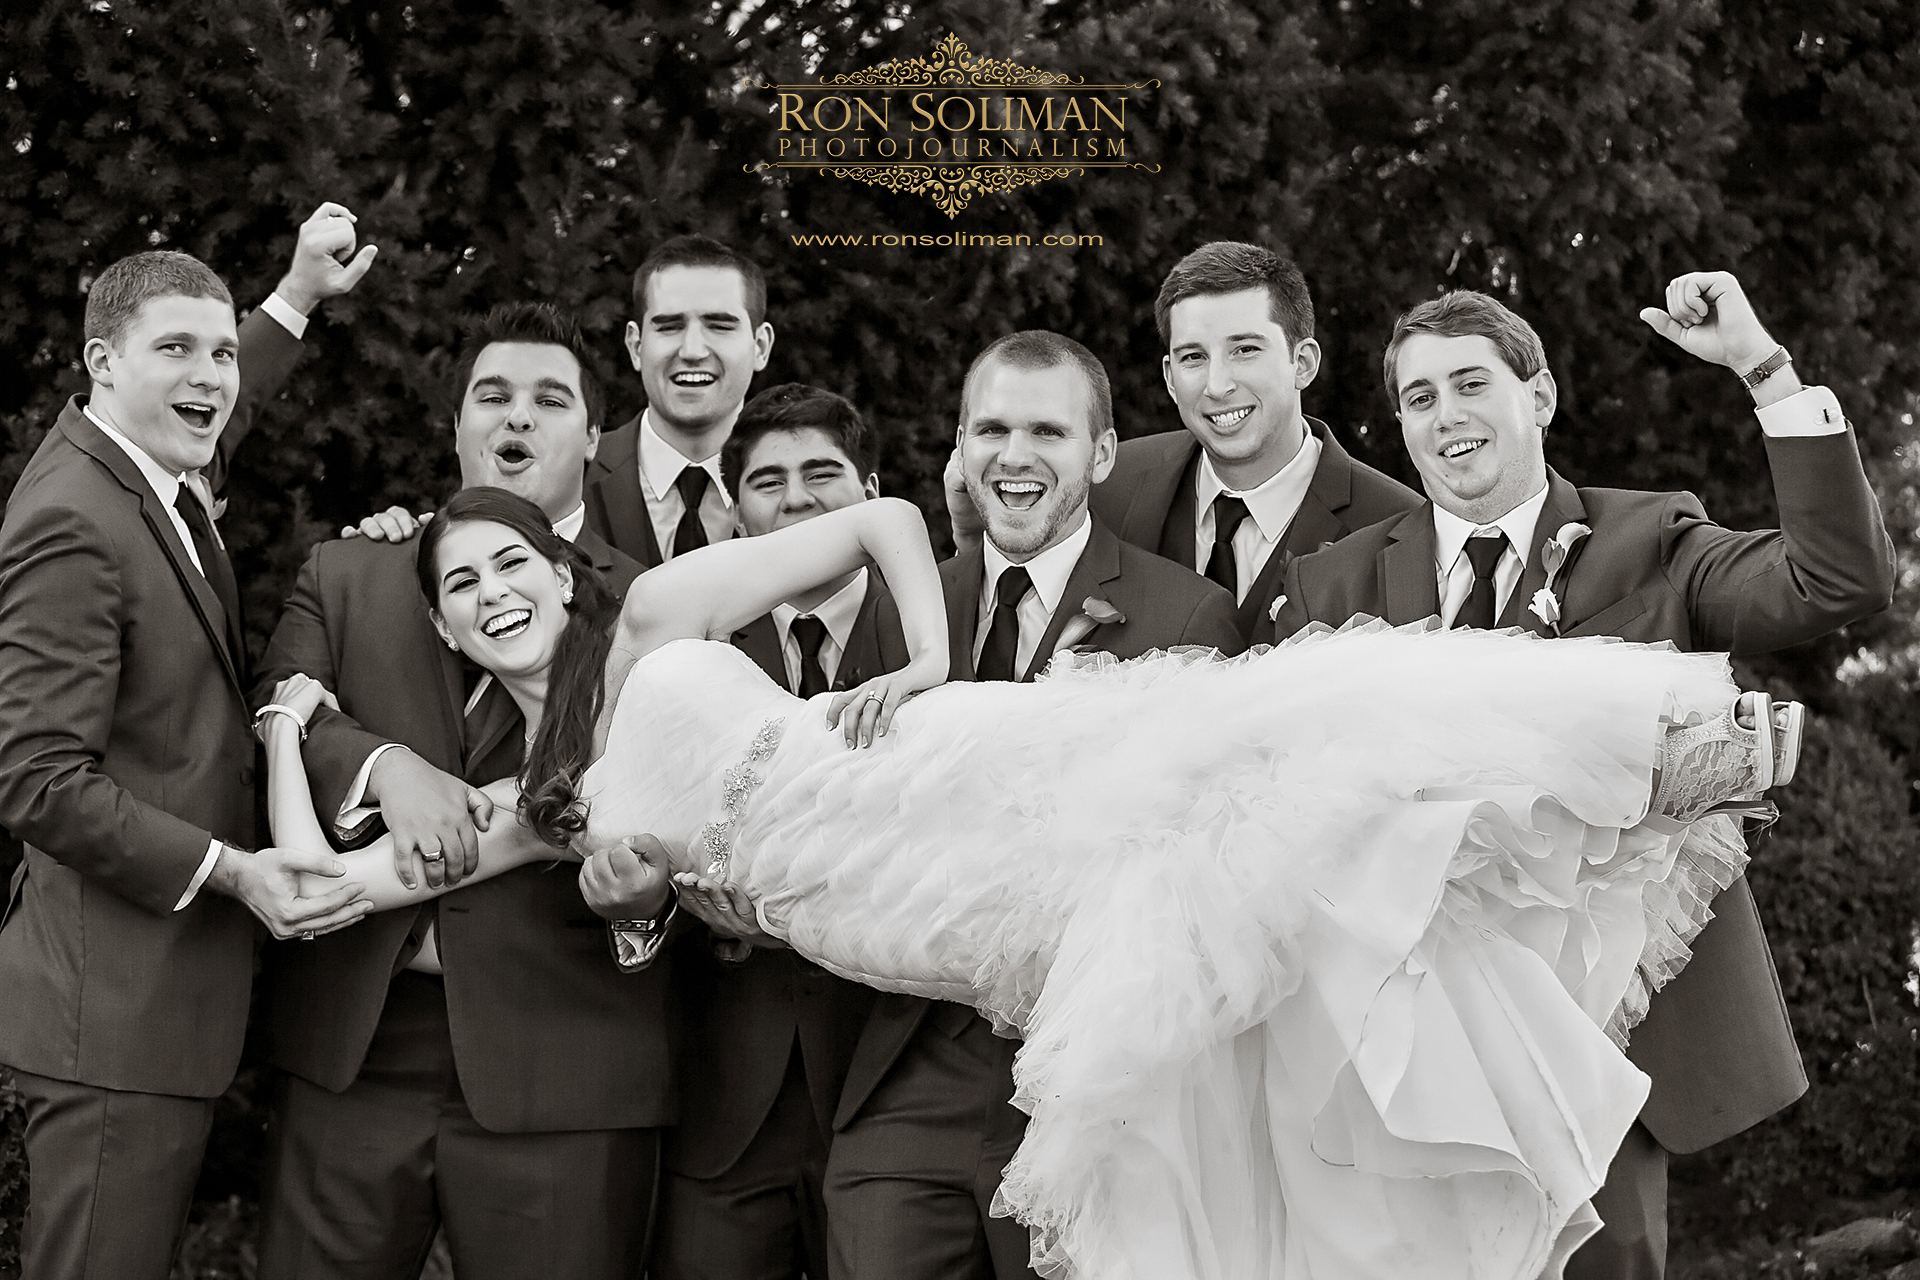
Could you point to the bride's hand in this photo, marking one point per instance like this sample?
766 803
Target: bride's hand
303 695
866 712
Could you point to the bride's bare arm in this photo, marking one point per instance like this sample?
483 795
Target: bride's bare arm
505 844
718 589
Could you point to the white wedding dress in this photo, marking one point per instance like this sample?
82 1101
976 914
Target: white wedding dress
1321 956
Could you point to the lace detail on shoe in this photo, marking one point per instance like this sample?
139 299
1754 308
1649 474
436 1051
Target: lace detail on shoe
737 783
1705 764
1712 855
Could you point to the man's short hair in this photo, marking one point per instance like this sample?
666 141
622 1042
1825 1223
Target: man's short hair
118 293
1227 266
1466 313
541 323
1044 349
702 251
796 406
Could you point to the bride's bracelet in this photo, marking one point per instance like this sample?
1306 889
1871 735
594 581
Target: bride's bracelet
275 709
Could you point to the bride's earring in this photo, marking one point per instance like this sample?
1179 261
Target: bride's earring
566 595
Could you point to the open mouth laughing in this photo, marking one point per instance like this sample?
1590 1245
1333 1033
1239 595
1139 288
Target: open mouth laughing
1018 495
1455 450
505 626
694 379
1228 417
197 414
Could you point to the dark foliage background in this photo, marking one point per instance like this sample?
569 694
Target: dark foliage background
1570 155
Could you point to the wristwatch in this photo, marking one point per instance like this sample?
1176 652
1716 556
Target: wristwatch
1766 368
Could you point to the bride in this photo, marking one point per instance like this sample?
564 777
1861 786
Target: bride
1323 957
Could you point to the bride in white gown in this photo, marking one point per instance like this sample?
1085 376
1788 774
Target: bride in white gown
1322 956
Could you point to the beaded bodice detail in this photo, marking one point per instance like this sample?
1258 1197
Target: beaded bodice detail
737 784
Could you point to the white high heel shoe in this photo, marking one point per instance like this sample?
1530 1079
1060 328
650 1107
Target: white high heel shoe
1723 765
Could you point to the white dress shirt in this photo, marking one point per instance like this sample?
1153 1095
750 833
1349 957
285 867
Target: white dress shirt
1455 570
1049 571
166 487
660 465
1271 506
838 611
1811 411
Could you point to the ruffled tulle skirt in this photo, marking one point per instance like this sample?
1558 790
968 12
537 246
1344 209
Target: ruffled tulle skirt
1321 956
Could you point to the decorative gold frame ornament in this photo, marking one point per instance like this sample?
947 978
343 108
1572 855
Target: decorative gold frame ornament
952 186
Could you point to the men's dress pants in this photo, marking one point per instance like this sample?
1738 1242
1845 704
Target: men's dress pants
909 1181
111 1177
1633 1204
765 1217
359 1181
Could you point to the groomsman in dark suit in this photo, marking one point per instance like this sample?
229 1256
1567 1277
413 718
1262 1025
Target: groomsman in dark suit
479 1064
700 334
127 948
772 1033
1474 398
1252 482
925 1125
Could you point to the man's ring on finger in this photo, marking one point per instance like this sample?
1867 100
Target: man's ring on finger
434 855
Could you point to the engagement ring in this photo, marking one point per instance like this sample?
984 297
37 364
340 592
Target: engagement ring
307 936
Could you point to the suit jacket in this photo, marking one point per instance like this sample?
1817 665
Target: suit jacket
616 508
124 748
742 1019
1150 500
1716 1041
548 1034
1163 604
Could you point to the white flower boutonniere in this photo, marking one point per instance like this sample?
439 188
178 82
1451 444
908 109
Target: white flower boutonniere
1094 612
1556 556
1273 610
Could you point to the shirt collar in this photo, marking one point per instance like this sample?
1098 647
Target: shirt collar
839 611
662 464
1049 570
569 526
1451 532
166 486
1275 501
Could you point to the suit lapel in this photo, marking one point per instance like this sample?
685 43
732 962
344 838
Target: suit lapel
1098 564
861 660
206 603
760 640
1562 506
961 585
1408 586
614 484
495 717
1175 540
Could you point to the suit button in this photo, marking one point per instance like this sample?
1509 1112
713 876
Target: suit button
246 775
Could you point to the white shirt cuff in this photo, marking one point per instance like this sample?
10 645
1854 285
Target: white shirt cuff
283 311
354 810
200 876
1810 411
633 949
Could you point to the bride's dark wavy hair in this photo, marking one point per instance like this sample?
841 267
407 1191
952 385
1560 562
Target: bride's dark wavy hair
550 777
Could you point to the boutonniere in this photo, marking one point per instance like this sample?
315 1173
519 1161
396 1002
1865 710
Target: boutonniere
1556 556
1094 612
1273 610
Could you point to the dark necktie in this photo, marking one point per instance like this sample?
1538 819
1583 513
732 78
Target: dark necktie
692 484
1228 512
811 633
215 567
1484 554
1003 637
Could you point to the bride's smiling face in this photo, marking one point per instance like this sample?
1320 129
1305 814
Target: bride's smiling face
503 604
